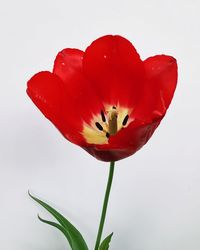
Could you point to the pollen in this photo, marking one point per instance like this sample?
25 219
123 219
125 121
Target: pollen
98 125
106 124
125 120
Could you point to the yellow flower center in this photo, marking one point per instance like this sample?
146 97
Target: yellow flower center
105 124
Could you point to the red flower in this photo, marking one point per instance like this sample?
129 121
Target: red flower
106 99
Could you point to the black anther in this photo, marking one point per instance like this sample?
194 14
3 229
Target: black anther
98 125
107 135
125 120
103 116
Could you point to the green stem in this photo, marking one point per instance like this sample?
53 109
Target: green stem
105 205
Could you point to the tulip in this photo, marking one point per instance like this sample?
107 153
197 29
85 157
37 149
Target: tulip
106 100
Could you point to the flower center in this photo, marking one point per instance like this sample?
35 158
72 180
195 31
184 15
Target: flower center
105 124
111 125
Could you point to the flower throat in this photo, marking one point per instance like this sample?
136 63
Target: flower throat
112 125
107 123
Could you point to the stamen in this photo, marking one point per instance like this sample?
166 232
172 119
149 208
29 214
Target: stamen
125 120
109 120
107 135
98 125
103 116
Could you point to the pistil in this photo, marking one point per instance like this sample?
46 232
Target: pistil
112 121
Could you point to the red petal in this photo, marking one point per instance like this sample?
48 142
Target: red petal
81 97
68 63
47 92
127 142
161 72
116 70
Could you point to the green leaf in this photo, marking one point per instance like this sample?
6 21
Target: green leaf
106 243
74 237
59 227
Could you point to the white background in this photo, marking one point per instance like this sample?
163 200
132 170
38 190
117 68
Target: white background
155 200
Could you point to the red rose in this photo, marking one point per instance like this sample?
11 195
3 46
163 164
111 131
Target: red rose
106 99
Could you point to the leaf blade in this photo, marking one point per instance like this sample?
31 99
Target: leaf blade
59 227
106 242
77 240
